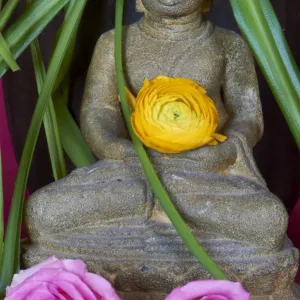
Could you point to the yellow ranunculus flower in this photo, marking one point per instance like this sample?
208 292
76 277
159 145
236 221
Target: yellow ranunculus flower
172 115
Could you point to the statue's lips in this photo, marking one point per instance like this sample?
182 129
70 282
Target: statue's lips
169 2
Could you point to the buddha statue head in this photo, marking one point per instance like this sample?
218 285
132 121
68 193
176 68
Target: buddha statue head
173 8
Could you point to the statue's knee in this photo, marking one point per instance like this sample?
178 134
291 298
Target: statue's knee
275 224
37 214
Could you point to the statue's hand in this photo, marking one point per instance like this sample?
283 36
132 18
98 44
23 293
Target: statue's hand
214 158
210 158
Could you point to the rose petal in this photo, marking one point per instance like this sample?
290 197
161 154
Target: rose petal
80 285
23 275
101 286
53 289
77 267
214 297
70 290
22 293
197 289
41 293
43 275
62 279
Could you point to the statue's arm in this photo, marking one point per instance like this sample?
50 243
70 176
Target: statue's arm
101 118
241 92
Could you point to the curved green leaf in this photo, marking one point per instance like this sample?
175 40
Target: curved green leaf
32 22
71 137
6 54
182 229
282 45
57 159
261 29
69 55
6 12
12 238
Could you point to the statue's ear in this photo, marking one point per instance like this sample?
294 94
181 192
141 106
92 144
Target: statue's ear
207 5
140 6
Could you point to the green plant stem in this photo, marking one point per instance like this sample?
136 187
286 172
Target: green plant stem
6 12
69 55
260 27
29 25
182 229
6 54
57 159
71 137
12 238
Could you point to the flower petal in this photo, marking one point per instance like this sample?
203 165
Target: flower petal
22 293
101 286
42 292
174 115
70 290
195 290
23 275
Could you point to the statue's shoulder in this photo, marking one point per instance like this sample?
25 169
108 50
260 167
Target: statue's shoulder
107 39
231 41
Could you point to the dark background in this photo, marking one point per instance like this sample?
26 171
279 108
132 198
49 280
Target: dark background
277 155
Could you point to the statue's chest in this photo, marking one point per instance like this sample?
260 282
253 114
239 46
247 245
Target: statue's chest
200 61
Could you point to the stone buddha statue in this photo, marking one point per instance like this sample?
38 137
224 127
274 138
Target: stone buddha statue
106 214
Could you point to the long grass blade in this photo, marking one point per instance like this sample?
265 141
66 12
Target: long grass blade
32 22
57 159
280 40
6 54
260 26
182 229
69 55
7 11
12 237
71 137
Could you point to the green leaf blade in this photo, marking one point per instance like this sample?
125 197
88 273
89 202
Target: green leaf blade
7 56
260 27
7 11
58 163
12 239
71 137
27 28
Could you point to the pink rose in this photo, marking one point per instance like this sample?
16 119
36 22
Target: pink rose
210 290
60 280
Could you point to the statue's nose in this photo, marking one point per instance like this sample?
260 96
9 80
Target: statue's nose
169 2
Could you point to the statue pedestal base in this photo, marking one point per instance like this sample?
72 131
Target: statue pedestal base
147 261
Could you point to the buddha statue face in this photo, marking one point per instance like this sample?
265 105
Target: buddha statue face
173 8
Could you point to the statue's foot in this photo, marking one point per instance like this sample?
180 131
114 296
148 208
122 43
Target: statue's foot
151 258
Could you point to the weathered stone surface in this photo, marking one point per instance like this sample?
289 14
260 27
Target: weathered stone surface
106 214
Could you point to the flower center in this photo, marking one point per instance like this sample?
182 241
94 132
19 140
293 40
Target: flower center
175 112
